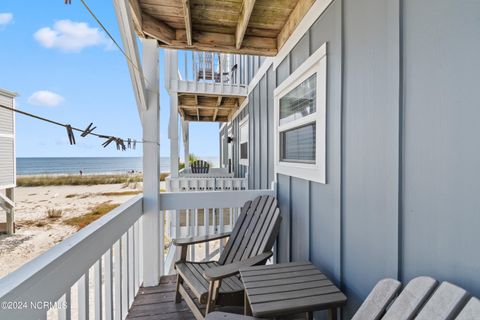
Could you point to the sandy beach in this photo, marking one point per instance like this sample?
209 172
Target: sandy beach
36 232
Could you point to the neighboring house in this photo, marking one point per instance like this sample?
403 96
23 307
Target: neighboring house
7 160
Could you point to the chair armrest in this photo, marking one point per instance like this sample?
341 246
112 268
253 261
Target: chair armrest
231 269
193 240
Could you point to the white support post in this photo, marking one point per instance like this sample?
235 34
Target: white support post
186 141
171 73
152 217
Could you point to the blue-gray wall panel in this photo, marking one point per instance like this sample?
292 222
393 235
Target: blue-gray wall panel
283 195
269 123
371 138
283 70
442 154
256 140
300 204
263 132
300 52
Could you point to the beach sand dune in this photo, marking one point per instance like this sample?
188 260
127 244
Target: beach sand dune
36 232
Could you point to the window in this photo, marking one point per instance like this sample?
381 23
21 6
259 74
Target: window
300 110
244 141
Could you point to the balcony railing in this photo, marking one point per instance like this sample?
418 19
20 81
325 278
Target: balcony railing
97 272
212 67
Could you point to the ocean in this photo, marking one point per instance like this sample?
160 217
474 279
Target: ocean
91 165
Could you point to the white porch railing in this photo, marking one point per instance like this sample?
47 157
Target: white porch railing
96 273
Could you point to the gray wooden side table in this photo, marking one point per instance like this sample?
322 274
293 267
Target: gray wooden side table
289 288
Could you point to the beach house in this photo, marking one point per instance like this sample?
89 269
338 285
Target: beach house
7 161
359 116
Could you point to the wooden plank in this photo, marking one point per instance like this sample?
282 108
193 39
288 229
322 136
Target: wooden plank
471 311
287 296
277 282
137 17
288 287
293 306
235 231
157 29
294 19
188 21
243 22
445 303
378 299
411 299
280 276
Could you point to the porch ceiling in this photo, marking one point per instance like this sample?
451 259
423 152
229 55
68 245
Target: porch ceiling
209 108
259 27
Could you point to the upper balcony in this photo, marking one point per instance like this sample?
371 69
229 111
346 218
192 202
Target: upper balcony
208 86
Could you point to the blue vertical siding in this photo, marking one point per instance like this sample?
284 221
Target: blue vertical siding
402 146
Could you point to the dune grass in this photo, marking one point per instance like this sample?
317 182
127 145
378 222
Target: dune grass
95 213
77 180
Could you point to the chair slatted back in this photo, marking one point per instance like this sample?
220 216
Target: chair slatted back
255 230
444 304
377 301
471 311
411 299
200 166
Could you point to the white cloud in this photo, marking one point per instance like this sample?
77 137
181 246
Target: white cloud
5 18
71 36
45 99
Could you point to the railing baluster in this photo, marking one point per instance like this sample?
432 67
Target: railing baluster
204 67
185 65
108 273
64 310
206 224
221 223
124 274
131 268
97 274
83 297
117 280
136 255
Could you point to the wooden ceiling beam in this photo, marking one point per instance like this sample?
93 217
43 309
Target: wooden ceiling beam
219 101
213 41
243 20
215 114
188 21
293 20
198 114
137 16
206 107
158 29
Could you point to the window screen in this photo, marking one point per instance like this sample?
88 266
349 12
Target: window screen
244 150
299 102
298 144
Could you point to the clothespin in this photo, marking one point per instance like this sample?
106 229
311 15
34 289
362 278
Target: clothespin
68 1
106 143
120 144
134 144
129 143
88 130
71 136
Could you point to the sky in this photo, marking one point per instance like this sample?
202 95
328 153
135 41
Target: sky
65 68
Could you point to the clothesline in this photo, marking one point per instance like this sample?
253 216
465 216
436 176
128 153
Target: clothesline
122 144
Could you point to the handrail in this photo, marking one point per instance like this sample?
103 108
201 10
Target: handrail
209 199
45 278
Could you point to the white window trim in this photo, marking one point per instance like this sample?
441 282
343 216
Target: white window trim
244 121
316 63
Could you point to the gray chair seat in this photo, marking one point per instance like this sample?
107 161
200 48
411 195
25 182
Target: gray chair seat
192 273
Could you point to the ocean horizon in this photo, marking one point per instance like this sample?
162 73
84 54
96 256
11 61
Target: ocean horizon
89 165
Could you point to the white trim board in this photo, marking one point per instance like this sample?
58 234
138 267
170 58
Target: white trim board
315 64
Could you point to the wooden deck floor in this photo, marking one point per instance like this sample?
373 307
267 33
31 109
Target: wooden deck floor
157 303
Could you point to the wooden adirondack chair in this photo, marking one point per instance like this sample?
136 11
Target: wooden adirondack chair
200 166
250 243
421 299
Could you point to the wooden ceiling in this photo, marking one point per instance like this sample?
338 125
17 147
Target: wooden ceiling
197 107
259 27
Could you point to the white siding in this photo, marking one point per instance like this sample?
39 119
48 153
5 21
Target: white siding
7 142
